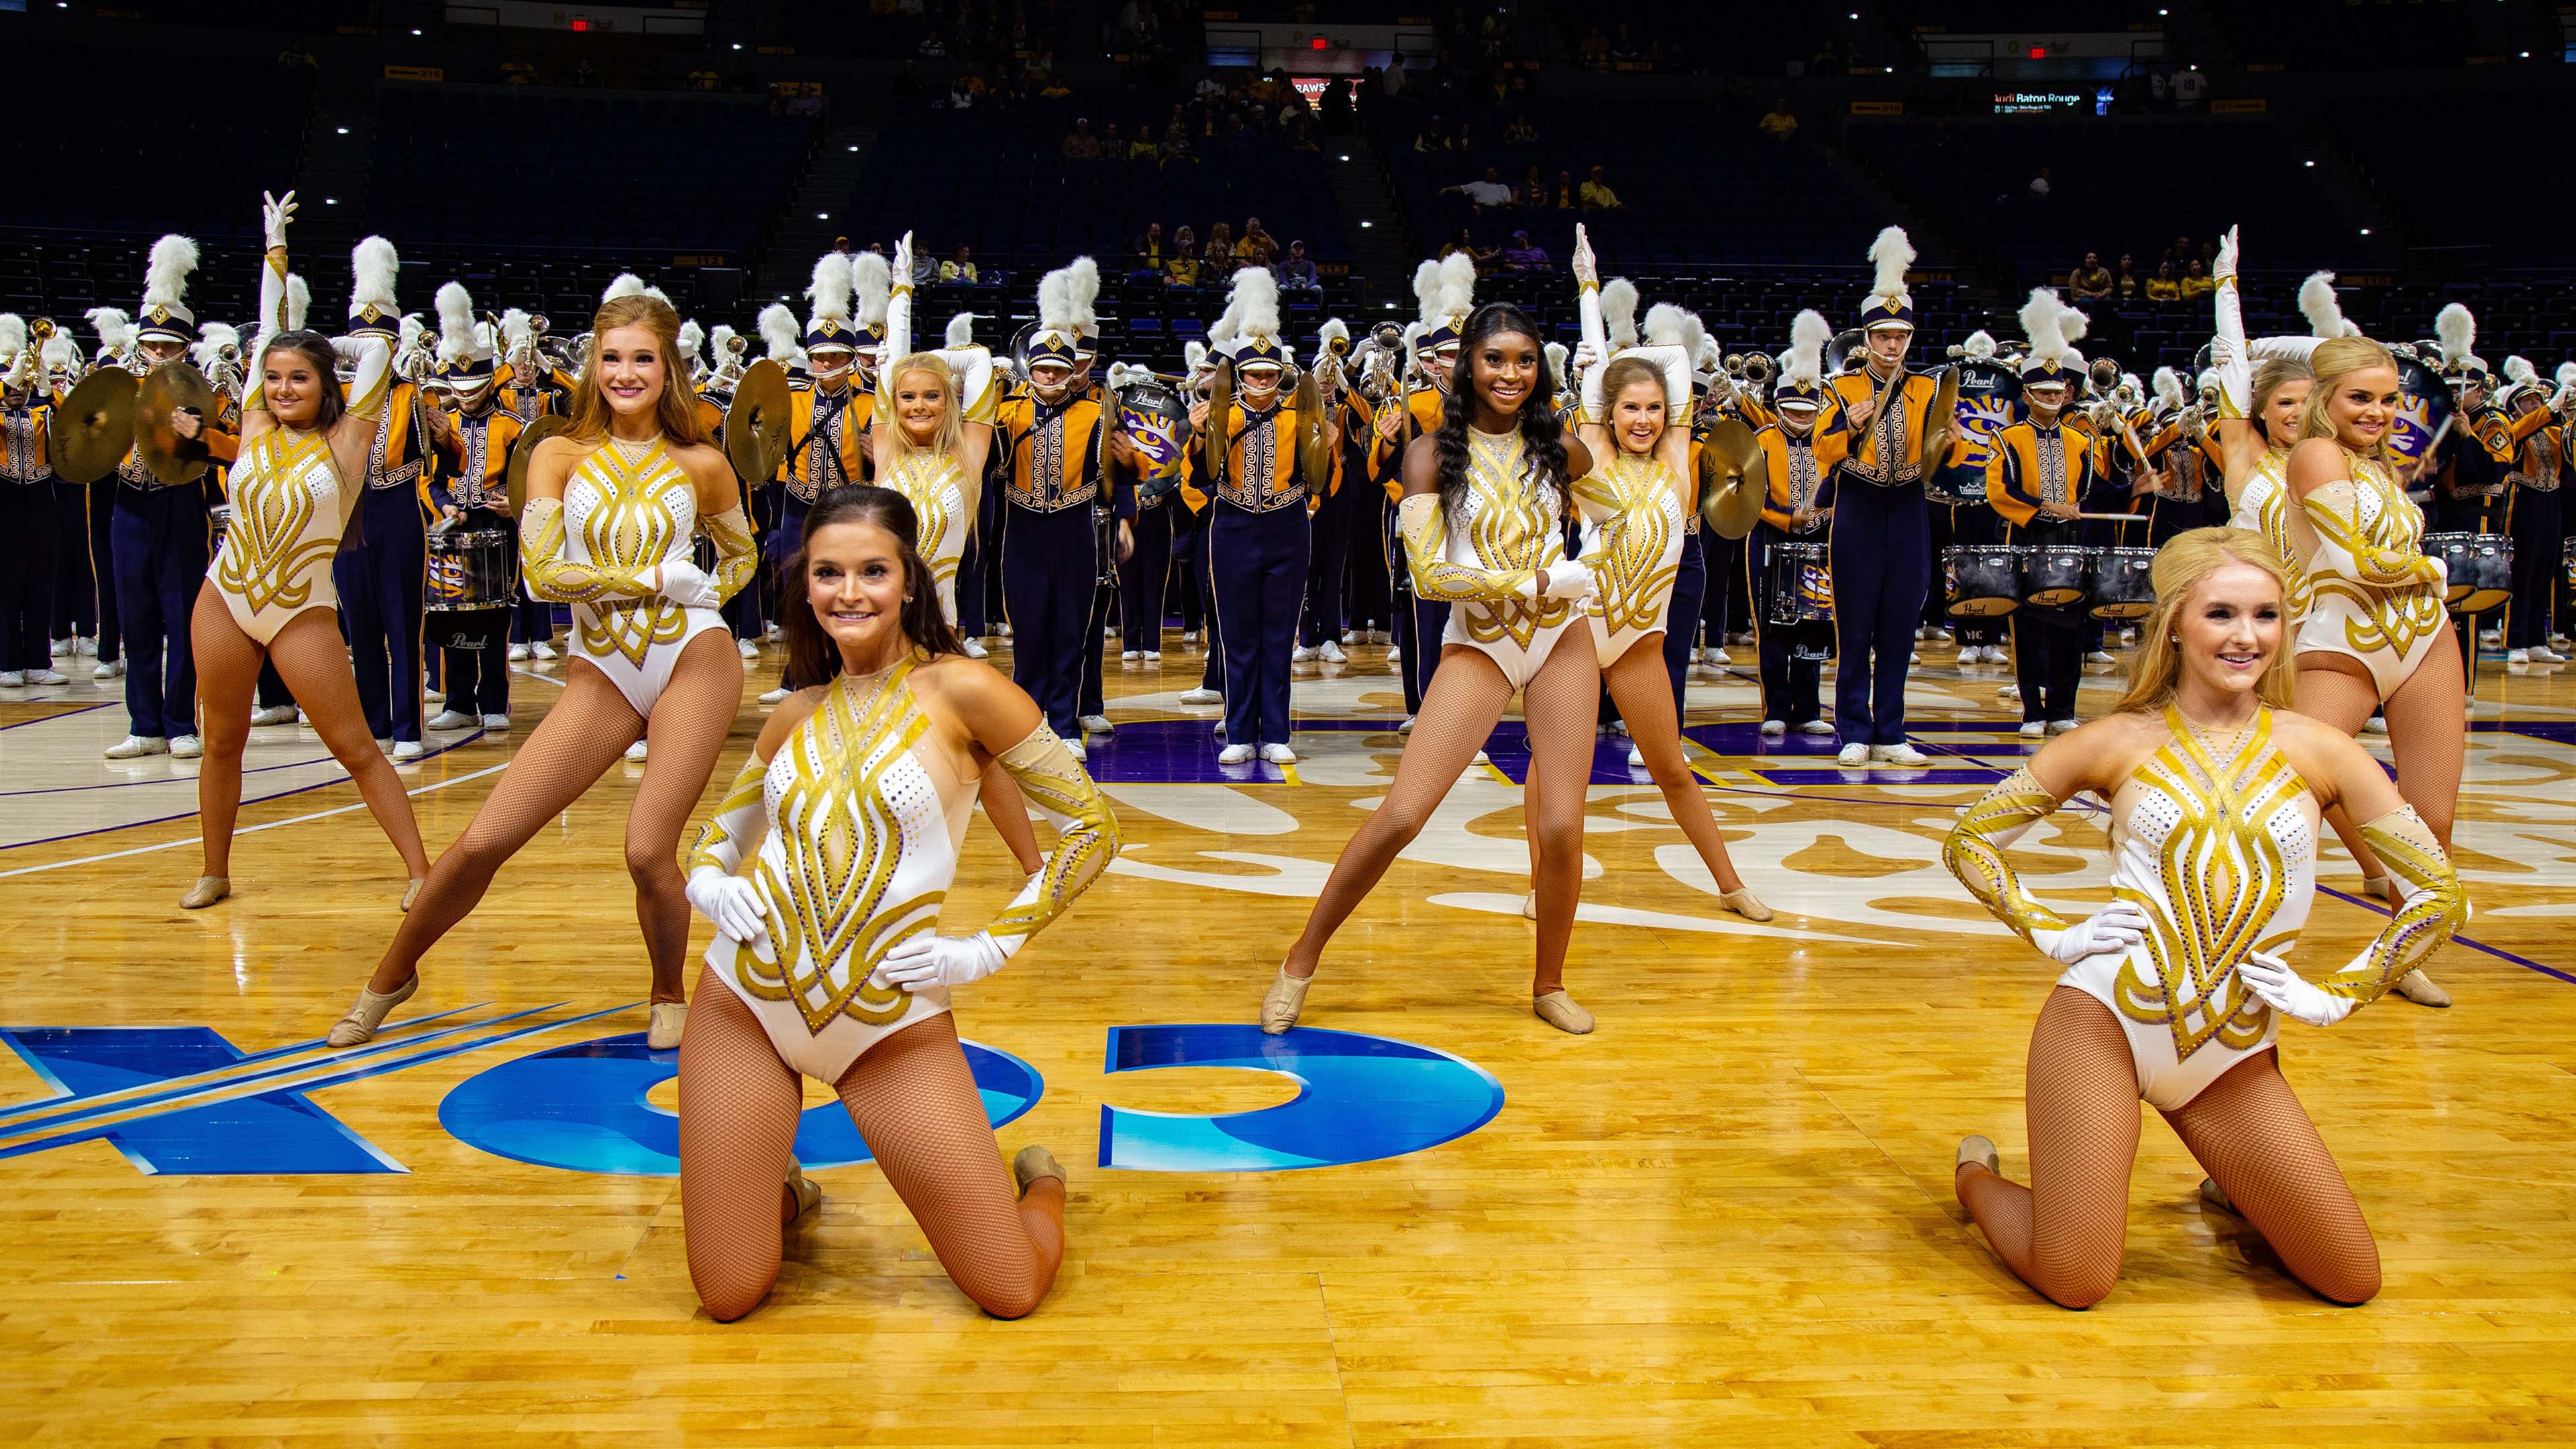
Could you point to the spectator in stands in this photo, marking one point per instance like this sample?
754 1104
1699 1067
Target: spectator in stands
1597 195
1216 264
704 79
2188 89
1777 123
2162 287
1524 255
1052 87
584 73
1564 195
1465 243
1489 191
1151 253
297 57
1258 248
1176 139
1081 145
2040 185
1297 273
2090 282
961 93
1624 50
1430 138
960 268
1336 107
1182 270
514 72
1520 132
1113 144
2128 281
1532 194
2196 282
1391 80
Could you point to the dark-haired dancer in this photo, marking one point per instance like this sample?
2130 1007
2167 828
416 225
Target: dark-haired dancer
613 506
269 595
1484 524
827 959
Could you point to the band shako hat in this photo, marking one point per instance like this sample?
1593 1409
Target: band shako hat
373 312
165 316
1888 303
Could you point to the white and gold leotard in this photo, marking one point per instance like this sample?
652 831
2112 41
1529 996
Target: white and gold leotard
935 485
600 550
2263 506
864 808
1486 556
2233 840
288 512
2372 594
1635 522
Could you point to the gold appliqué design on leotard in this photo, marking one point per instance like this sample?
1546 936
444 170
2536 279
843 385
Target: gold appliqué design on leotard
2391 605
2223 880
628 530
266 557
841 842
1634 579
1509 528
2272 520
926 478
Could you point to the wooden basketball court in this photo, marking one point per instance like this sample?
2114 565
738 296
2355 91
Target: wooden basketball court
1724 1218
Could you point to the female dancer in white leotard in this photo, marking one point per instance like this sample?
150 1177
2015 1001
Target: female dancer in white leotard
828 961
1484 522
268 594
613 505
1636 408
2174 991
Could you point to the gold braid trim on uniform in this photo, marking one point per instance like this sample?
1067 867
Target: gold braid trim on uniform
737 556
841 841
1086 835
2223 878
1974 852
722 839
2435 907
1426 544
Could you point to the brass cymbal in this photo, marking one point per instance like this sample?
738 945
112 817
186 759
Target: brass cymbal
95 425
514 479
1734 478
173 386
757 423
1314 460
1942 428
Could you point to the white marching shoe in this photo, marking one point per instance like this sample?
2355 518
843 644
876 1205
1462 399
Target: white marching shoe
542 649
47 675
518 653
1279 754
111 669
746 649
2543 654
450 719
635 753
1096 724
1201 695
275 714
1636 758
1234 755
773 696
2034 729
137 746
186 747
1853 754
975 649
1773 729
1902 753
404 750
1817 727
1302 654
1153 656
1331 653
496 721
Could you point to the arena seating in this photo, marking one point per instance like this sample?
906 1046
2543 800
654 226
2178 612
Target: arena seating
96 156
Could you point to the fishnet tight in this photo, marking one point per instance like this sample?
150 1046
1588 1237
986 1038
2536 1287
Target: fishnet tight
311 659
1467 695
913 1099
1643 690
2063 1234
587 731
2426 733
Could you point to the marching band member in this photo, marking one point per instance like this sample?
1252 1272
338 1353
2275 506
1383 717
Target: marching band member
1801 446
1319 630
28 531
2468 471
474 434
1084 286
268 596
828 961
1989 396
2183 460
2043 475
1257 540
1635 425
2532 516
382 571
612 507
827 422
1484 524
1198 610
2175 991
1881 549
1445 293
1050 554
522 384
92 548
158 534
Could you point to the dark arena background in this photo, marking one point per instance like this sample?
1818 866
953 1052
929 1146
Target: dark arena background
1728 1215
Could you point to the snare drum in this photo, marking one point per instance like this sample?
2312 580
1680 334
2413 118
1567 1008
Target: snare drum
220 518
471 568
2122 586
2055 577
2481 569
1802 584
1981 580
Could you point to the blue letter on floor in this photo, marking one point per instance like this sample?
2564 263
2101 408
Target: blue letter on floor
1361 1098
193 1128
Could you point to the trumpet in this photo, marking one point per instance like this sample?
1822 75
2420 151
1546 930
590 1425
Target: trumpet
2104 374
1732 364
1756 368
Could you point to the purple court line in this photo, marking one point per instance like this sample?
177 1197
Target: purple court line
165 780
190 814
57 714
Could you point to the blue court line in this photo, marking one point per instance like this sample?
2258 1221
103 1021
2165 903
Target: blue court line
426 755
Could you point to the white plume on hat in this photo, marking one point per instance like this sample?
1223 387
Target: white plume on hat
1619 313
517 327
408 334
718 338
2052 328
830 288
624 284
1426 293
1193 355
212 339
455 322
1457 286
1082 294
1803 365
691 338
60 353
1980 345
1413 342
1556 352
165 274
2317 303
1334 330
1890 255
373 264
1055 302
115 329
2457 330
13 334
299 301
778 329
961 330
1254 301
2169 387
871 286
1671 326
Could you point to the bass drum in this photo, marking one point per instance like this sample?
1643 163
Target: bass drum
2054 577
2481 569
1802 584
1981 580
1153 416
2122 584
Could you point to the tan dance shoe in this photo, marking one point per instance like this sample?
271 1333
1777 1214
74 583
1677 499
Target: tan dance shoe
1529 906
365 1018
2216 1196
2421 989
1281 1003
411 892
208 890
1562 1012
666 1021
1744 903
1980 1150
798 1196
1032 1163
